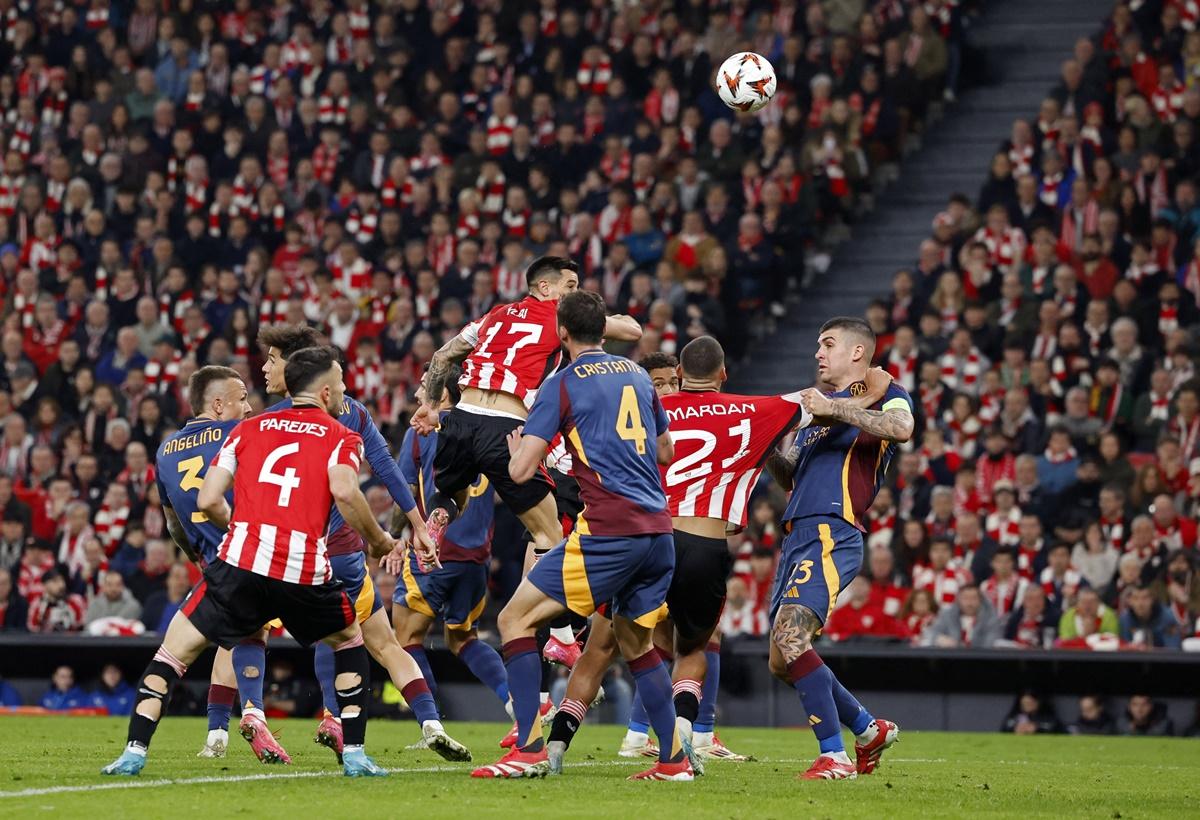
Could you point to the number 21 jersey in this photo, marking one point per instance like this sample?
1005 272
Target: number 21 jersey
281 498
721 443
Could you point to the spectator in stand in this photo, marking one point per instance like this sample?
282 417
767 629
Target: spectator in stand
9 696
1034 624
55 608
918 614
63 694
1095 558
114 601
968 622
151 573
1032 714
1089 617
113 693
162 605
14 611
859 617
1093 718
1144 716
741 616
1148 624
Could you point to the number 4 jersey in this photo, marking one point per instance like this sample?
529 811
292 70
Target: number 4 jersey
281 497
721 443
516 348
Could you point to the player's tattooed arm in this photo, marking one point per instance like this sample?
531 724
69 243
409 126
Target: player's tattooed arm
211 498
794 629
622 328
893 425
179 535
782 466
442 365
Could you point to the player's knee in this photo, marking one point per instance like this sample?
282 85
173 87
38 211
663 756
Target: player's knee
779 668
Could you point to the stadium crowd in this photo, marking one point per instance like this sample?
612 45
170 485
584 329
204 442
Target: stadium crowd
1048 332
176 174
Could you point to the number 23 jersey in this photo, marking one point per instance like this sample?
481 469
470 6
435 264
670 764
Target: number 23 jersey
281 497
721 442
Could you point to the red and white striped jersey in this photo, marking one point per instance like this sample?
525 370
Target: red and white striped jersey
721 442
516 348
281 499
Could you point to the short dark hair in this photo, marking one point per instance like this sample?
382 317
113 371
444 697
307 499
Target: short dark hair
548 268
855 326
658 361
702 357
305 366
583 315
288 338
203 379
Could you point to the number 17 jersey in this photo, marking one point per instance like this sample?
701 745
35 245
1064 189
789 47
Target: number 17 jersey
516 348
721 443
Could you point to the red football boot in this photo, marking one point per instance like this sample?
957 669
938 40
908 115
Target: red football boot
681 771
866 755
517 764
826 768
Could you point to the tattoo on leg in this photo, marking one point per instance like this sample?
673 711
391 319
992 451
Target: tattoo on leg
794 629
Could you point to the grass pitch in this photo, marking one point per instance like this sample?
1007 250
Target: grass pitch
51 765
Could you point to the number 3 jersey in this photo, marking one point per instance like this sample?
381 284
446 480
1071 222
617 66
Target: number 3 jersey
180 464
281 498
516 348
721 443
610 418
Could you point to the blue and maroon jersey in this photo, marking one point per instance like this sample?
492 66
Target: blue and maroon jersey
180 465
469 537
840 467
610 418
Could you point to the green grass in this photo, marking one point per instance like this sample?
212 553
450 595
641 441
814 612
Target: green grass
928 774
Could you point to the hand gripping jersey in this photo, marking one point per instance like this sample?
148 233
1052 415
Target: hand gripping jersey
607 411
721 442
180 464
357 418
516 348
840 467
469 536
281 498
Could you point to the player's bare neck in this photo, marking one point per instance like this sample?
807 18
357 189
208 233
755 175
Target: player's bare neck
306 402
575 350
700 386
844 384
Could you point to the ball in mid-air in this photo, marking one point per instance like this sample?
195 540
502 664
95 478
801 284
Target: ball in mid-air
746 81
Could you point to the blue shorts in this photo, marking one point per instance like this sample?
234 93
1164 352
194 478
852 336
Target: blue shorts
632 571
457 592
351 570
820 557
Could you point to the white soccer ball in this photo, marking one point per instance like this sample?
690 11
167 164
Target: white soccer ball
746 81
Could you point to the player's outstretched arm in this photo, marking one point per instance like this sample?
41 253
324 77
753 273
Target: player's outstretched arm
211 499
894 424
525 454
451 353
352 504
622 328
178 534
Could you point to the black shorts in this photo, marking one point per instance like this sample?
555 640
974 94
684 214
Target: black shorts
697 593
566 493
230 604
470 444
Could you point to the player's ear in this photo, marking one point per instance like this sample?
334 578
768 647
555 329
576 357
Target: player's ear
724 377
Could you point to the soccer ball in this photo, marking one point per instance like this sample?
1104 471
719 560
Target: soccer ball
746 81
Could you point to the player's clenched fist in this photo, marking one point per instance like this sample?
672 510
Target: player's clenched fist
816 402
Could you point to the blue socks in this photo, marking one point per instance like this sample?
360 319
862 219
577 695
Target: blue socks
851 713
417 651
249 666
220 704
523 663
654 687
639 721
814 682
707 717
484 663
418 697
323 665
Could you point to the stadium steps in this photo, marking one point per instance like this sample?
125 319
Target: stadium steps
1025 42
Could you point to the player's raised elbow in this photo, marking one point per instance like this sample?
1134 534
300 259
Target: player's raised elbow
343 484
903 428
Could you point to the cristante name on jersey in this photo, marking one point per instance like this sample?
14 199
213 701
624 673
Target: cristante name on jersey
701 410
304 428
608 368
212 434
